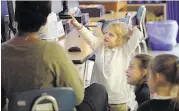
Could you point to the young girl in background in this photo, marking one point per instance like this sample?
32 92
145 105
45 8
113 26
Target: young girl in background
163 78
137 73
112 58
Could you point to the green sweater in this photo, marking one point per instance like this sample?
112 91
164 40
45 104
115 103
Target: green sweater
40 64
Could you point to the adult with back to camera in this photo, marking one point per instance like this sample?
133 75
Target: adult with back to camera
30 63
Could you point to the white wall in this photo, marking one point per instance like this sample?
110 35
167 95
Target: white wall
57 5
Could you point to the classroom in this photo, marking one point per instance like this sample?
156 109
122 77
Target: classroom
82 55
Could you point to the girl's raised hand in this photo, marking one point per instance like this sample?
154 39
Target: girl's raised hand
75 23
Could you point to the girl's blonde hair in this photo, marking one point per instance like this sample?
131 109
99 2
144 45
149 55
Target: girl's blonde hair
121 30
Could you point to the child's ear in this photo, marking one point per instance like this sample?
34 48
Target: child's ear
160 78
144 72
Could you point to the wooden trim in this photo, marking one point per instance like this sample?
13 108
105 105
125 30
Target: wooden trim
115 6
161 4
150 7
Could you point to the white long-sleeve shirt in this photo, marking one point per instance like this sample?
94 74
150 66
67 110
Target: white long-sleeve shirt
110 65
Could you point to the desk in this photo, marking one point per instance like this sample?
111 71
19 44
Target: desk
115 15
79 58
72 39
97 29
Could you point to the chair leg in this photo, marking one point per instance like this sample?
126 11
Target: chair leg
145 46
139 49
88 72
85 72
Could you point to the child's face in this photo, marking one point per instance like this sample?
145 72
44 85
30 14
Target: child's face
110 39
134 73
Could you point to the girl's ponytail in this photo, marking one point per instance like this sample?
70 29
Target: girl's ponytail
177 84
177 72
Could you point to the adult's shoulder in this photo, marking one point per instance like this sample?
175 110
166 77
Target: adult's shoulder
52 46
54 52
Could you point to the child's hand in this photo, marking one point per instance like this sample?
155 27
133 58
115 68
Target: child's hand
75 23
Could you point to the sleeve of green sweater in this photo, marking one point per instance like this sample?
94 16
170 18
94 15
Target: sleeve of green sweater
63 69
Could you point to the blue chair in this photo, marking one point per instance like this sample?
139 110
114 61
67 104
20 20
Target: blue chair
59 99
141 14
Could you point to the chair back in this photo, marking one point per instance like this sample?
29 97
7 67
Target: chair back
141 14
58 99
129 20
144 26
